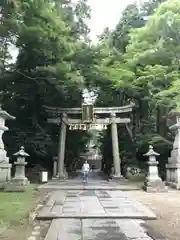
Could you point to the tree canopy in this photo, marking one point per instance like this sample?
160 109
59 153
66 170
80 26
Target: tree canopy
137 62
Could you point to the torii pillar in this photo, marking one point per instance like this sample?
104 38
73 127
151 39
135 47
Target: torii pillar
115 146
62 143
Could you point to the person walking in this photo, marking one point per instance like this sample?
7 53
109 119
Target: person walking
85 171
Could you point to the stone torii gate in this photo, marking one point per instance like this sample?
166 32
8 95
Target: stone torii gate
88 121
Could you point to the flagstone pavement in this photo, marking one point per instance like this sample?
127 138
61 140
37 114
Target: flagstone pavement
103 213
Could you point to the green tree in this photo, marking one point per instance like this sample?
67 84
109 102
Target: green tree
131 18
143 69
45 73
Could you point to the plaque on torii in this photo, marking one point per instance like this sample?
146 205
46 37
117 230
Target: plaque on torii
79 124
88 121
87 112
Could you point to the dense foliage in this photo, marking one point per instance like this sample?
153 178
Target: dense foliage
137 62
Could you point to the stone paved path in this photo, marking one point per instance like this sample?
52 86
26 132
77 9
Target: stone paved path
93 204
76 184
95 215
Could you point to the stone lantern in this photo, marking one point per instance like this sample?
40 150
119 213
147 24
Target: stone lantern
173 166
20 164
5 167
153 183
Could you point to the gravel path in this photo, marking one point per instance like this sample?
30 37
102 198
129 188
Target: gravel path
167 208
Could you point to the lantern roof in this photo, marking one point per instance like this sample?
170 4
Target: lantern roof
21 153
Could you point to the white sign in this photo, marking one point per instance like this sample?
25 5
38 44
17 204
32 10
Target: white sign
44 177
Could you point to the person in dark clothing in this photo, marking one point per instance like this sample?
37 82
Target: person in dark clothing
108 172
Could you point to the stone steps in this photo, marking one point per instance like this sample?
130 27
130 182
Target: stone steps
51 216
96 229
90 188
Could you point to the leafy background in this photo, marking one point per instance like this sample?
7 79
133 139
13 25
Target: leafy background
137 62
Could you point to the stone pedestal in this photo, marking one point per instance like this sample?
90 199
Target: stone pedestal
5 167
153 183
20 181
173 166
20 177
5 173
115 177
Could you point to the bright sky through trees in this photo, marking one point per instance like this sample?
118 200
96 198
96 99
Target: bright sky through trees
105 14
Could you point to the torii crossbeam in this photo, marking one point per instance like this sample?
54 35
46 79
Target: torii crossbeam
88 121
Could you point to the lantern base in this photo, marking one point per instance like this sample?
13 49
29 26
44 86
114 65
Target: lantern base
117 177
20 181
16 185
154 186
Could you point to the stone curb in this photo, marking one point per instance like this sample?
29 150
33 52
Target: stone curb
35 233
90 188
34 214
32 217
115 216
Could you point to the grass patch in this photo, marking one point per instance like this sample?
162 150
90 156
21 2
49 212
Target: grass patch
15 207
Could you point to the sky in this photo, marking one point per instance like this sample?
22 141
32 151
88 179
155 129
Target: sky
105 13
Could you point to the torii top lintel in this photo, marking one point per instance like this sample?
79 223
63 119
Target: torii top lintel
97 110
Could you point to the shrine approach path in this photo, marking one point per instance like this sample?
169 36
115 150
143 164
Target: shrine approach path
96 211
